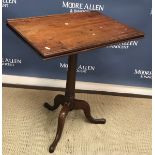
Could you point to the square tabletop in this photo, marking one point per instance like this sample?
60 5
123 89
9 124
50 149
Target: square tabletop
70 33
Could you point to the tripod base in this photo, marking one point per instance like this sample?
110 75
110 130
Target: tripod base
67 106
69 102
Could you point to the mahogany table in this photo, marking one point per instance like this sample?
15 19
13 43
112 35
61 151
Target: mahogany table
69 34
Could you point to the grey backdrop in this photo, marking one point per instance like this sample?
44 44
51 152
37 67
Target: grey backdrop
113 65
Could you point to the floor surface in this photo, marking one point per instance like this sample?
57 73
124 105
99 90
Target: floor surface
29 128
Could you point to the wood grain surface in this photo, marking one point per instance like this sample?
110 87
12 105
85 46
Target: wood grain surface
62 34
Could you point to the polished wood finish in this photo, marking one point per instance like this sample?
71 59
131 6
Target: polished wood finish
61 121
62 34
57 35
58 100
69 102
71 77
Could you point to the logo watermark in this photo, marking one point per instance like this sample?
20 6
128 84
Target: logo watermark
7 3
81 7
11 62
143 74
125 45
80 68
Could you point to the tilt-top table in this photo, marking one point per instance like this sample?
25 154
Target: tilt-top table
68 34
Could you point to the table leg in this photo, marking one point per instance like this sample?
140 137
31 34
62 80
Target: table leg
59 99
83 105
61 120
69 102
